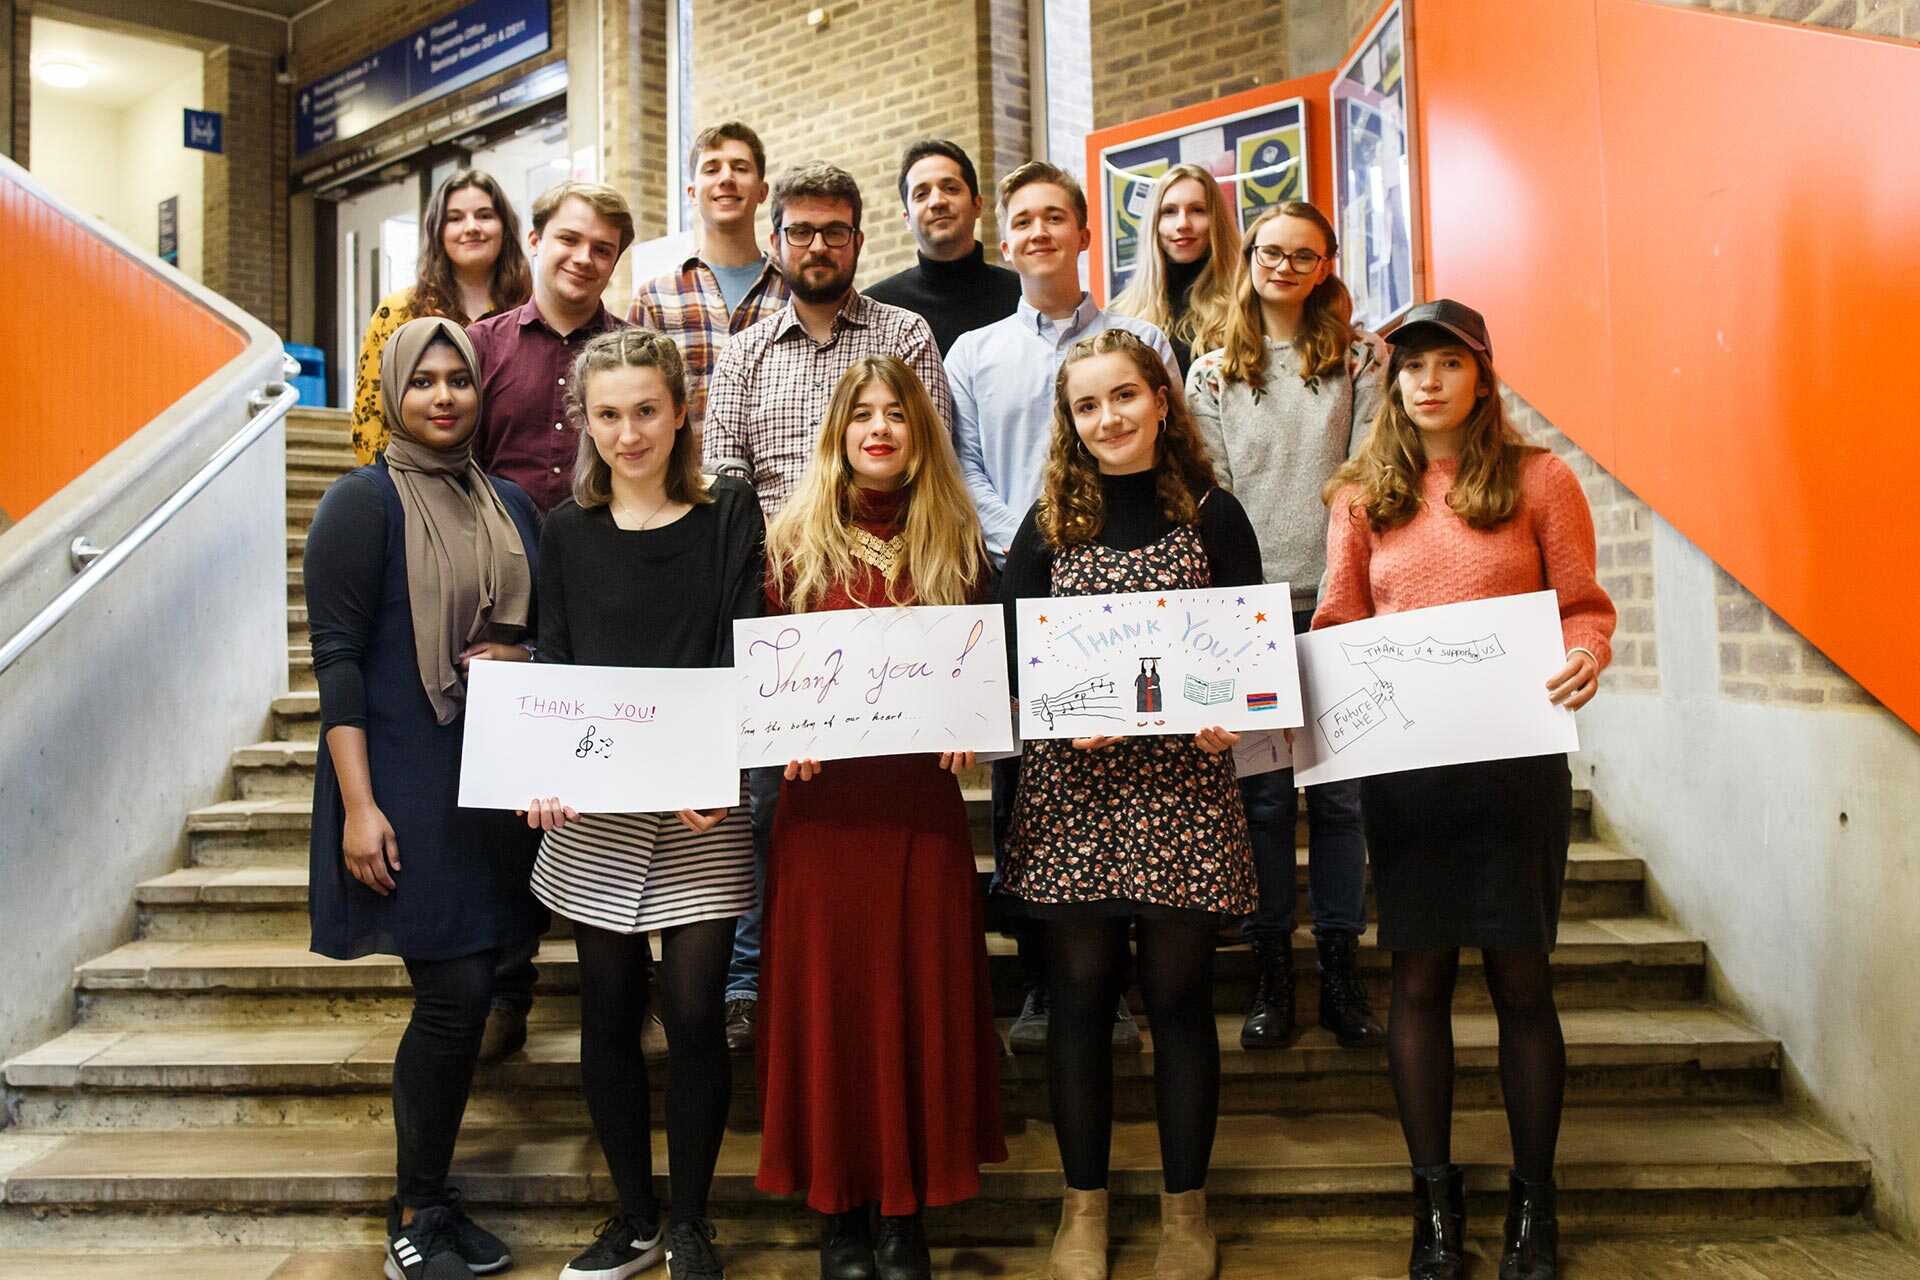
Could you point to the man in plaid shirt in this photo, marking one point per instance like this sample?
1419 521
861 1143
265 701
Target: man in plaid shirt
771 384
729 283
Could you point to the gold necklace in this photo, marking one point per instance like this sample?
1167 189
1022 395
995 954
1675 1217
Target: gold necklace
882 553
642 526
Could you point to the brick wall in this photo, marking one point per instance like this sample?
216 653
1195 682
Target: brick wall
881 74
16 43
245 228
1153 57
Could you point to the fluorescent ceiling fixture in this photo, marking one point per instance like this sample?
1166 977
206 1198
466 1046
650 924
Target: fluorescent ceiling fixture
63 74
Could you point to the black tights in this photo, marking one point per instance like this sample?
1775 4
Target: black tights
613 1012
1533 1054
1086 974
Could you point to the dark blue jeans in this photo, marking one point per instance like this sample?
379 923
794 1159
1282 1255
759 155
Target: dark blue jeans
743 975
1336 851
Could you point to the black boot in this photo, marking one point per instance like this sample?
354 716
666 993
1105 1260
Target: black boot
1532 1250
846 1248
1269 1023
1343 996
1439 1225
900 1249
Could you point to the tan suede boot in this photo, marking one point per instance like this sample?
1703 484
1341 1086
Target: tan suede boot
1188 1250
1080 1246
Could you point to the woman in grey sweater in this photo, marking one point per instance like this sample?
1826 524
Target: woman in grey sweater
1284 403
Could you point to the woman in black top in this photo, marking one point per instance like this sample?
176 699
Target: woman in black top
416 565
648 565
1113 834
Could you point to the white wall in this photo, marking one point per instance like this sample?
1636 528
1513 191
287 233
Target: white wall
1789 840
118 165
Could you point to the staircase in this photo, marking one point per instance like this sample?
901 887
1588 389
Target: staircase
225 1093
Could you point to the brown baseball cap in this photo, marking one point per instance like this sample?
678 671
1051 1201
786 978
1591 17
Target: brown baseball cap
1456 318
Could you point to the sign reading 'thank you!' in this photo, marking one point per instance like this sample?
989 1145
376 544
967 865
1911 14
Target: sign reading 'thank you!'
447 54
1157 662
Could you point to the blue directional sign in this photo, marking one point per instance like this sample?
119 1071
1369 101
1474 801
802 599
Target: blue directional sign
202 130
447 54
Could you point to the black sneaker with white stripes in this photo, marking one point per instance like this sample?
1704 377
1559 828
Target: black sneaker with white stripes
426 1248
624 1248
482 1251
690 1254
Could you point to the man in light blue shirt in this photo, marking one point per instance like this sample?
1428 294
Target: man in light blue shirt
1002 375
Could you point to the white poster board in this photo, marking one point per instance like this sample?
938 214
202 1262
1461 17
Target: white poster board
602 739
1446 685
871 682
1157 662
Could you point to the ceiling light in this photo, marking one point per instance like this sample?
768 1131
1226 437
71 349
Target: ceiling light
63 74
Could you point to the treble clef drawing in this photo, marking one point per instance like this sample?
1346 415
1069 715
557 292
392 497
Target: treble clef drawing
589 745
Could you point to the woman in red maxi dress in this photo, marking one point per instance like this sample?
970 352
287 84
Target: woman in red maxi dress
878 1058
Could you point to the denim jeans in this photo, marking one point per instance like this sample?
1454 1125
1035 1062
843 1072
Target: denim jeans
1029 935
743 975
433 1069
1336 851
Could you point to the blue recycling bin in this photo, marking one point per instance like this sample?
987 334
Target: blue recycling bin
311 382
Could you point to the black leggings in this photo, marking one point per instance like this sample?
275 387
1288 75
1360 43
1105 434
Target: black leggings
1533 1053
1087 971
614 969
433 1068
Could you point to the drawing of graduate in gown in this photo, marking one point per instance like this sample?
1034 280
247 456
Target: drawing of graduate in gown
1146 687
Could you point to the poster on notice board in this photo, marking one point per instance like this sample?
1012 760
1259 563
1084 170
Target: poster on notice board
1373 172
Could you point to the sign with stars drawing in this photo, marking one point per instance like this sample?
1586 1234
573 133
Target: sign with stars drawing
1158 662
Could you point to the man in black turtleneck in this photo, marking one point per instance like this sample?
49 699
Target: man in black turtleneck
952 286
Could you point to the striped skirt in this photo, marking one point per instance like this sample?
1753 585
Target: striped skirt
635 872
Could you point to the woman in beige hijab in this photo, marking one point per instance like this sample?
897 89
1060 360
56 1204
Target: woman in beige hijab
416 565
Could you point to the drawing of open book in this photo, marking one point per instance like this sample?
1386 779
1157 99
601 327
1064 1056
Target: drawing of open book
1207 693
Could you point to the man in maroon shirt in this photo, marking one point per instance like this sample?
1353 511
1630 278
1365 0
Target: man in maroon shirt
580 229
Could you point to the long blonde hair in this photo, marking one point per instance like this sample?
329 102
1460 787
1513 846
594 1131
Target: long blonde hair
631 347
1384 477
1326 321
809 544
1211 295
1073 508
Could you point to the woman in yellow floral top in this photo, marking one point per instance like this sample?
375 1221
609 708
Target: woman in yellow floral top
471 265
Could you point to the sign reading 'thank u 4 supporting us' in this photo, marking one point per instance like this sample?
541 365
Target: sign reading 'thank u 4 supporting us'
1157 662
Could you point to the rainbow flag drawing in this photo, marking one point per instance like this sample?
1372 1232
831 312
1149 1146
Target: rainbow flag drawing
1263 702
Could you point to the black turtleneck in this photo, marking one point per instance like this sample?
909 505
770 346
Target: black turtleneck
1180 278
1134 520
953 297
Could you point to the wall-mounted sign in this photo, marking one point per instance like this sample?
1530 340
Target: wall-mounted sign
447 54
202 130
1373 172
1259 157
169 238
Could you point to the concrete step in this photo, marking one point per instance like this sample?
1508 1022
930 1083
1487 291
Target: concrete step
300 667
1599 963
296 716
276 769
327 436
308 488
196 1077
1272 1176
300 510
1803 1251
296 547
297 626
330 461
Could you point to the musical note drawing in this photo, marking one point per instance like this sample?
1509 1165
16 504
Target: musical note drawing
590 745
1090 699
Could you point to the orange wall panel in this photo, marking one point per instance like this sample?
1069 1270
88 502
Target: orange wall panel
1693 238
93 346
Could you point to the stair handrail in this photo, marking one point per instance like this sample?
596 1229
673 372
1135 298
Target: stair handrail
270 404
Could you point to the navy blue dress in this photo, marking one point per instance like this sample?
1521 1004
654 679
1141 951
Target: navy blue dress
462 886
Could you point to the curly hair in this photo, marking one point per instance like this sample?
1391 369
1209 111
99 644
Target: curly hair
1072 507
632 347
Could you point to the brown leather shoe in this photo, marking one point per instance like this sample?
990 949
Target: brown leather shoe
740 1025
1080 1246
653 1040
506 1033
1188 1250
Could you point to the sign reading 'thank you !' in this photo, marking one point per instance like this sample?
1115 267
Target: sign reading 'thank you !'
1157 662
447 54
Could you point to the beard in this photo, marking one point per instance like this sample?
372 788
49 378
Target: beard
834 287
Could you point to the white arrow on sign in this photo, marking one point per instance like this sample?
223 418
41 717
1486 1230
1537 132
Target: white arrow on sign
419 46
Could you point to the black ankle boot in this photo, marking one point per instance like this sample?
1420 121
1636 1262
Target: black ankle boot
1532 1249
1269 1023
900 1249
1439 1225
1343 996
846 1247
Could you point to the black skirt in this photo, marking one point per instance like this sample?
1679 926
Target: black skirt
1469 855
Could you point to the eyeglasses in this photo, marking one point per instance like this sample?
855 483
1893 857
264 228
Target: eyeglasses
1271 256
800 235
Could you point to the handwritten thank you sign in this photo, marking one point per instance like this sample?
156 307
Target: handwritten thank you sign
1446 685
1158 662
602 739
871 682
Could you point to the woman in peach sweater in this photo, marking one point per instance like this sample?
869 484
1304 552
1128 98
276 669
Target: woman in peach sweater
1446 503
